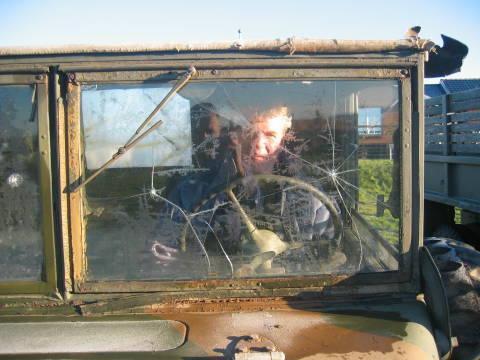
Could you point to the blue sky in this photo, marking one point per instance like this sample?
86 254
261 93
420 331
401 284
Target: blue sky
55 22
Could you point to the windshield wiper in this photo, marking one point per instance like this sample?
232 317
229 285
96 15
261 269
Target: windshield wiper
137 137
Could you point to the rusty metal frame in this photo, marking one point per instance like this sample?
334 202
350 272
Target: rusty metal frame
140 62
417 163
239 74
21 79
48 283
390 282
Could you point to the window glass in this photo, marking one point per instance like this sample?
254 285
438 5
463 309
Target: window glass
21 240
243 179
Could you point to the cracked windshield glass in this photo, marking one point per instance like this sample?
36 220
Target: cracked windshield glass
242 179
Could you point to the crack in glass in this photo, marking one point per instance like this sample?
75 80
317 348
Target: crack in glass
249 183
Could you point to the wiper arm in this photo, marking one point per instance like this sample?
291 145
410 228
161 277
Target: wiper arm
181 82
137 137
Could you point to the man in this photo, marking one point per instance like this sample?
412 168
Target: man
268 155
295 217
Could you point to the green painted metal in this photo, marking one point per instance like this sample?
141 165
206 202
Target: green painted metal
90 336
335 304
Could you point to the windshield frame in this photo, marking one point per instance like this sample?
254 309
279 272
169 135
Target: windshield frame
354 283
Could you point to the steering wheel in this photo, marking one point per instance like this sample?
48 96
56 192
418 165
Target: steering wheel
268 242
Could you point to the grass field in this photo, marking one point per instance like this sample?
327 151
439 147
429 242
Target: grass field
376 179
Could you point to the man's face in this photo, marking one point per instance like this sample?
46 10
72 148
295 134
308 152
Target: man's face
214 125
268 139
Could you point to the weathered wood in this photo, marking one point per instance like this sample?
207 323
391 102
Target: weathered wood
439 119
433 148
465 127
465 95
467 138
431 130
452 163
465 105
434 138
433 110
437 100
462 127
466 116
466 148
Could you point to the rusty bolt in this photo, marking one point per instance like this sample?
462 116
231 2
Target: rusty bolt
404 72
38 77
214 72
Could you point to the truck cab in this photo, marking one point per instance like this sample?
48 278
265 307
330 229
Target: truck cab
243 200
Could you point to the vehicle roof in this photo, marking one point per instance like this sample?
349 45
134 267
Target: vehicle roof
288 46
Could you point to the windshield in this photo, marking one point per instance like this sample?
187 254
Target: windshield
243 179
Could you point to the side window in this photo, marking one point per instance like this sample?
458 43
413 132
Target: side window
27 255
21 237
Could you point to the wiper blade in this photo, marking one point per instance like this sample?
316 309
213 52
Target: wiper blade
137 137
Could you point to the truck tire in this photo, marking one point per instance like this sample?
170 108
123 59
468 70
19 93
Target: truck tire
447 231
469 233
459 265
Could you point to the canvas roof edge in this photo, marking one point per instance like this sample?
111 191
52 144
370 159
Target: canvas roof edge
288 46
